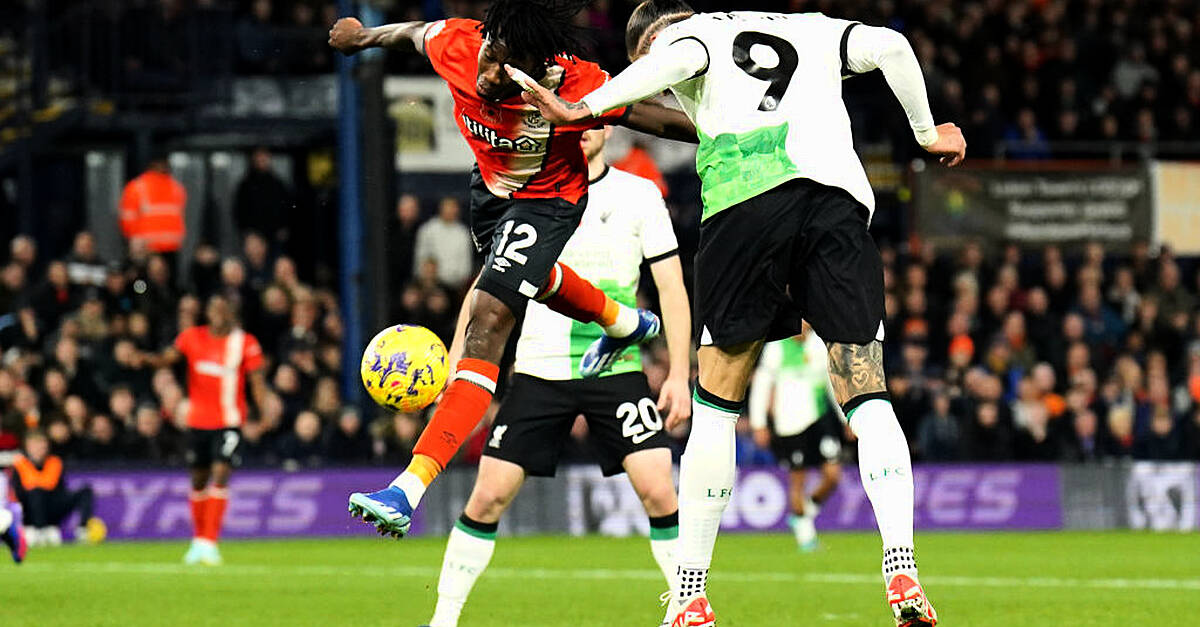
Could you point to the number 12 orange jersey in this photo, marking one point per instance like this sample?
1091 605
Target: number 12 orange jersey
519 154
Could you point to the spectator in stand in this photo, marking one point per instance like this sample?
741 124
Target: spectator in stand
447 241
305 48
83 265
22 250
986 438
55 297
428 302
152 440
12 286
302 447
257 259
403 237
263 201
258 47
152 207
346 441
939 439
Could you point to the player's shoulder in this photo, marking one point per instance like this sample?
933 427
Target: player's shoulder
580 76
249 340
452 46
192 333
455 29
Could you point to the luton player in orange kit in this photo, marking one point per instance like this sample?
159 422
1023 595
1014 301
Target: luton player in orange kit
221 358
528 193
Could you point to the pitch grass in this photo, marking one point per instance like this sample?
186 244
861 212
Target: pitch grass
977 580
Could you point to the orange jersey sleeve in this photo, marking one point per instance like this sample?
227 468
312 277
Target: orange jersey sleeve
252 354
452 47
582 78
185 340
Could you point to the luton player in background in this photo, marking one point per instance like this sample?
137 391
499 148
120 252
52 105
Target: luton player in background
528 194
221 357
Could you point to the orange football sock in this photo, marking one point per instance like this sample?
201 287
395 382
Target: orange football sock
214 514
463 404
425 467
575 297
198 499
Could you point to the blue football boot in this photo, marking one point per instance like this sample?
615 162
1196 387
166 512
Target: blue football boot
604 352
387 509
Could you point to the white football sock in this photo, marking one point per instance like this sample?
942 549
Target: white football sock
468 552
6 519
706 475
626 323
413 486
886 470
664 546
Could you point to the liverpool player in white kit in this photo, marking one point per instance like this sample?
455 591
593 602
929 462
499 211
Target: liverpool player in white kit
625 225
783 237
791 387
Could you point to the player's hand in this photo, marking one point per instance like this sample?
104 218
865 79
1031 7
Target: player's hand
675 398
554 109
950 146
762 438
346 35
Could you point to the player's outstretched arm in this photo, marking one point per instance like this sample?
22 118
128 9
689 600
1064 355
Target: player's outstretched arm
167 358
660 121
648 76
349 36
676 393
872 47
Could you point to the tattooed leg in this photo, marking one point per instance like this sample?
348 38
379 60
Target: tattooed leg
856 369
856 372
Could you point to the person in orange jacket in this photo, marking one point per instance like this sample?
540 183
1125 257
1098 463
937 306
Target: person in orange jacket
152 207
41 487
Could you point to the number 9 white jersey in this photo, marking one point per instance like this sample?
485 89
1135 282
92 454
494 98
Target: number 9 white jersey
769 105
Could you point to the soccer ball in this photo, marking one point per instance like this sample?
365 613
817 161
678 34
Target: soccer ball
404 367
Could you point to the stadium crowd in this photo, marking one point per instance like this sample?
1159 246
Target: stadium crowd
75 333
1016 75
992 355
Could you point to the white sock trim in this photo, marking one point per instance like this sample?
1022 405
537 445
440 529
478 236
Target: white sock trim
412 485
478 379
626 323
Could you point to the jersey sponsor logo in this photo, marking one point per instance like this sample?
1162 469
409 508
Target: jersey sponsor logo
534 119
213 369
522 144
497 435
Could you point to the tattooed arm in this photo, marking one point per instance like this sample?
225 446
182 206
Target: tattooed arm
348 36
646 77
856 369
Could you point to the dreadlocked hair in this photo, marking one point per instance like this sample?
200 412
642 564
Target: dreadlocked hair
539 29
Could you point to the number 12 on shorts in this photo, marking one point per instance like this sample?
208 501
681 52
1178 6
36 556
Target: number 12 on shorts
506 253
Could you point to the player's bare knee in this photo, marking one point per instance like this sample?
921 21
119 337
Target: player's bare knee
660 499
221 474
832 473
488 503
200 477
